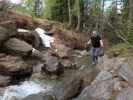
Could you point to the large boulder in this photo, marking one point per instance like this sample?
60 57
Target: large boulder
100 89
68 88
30 37
72 84
17 47
14 66
126 71
38 97
52 65
125 94
68 85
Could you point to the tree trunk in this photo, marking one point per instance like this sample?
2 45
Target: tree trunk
38 7
130 15
102 17
78 16
70 14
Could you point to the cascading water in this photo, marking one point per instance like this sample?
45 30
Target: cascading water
25 89
46 40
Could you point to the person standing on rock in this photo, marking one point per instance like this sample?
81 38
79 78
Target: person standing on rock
97 47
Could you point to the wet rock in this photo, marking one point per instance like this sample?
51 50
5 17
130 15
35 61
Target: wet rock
17 47
39 97
68 88
4 80
52 65
14 66
125 94
126 71
100 89
70 84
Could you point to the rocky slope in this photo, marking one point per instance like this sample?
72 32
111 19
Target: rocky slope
17 58
64 67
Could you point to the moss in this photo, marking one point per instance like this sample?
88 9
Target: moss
121 49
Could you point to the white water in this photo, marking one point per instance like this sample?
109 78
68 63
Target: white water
25 89
46 40
16 1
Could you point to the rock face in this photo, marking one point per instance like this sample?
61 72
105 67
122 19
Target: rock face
52 65
126 71
39 97
125 94
17 47
30 37
68 88
14 66
100 89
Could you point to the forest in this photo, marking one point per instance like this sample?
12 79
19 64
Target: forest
111 18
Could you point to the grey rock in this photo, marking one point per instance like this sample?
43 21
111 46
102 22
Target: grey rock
39 97
103 76
126 71
52 65
69 88
125 94
100 89
30 37
17 47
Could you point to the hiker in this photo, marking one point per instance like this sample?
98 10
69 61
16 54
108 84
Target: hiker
97 47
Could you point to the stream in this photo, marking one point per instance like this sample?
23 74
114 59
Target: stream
24 89
45 84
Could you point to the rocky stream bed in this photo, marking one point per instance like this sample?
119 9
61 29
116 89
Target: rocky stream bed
62 72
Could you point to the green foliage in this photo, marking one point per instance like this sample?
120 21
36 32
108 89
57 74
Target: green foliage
122 48
95 7
89 12
29 6
56 10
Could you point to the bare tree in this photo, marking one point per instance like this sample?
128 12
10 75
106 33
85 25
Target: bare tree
38 7
130 15
70 13
78 15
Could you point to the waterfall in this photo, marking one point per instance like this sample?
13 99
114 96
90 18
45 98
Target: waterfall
46 40
25 89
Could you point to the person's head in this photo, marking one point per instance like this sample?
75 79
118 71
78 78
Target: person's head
94 33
